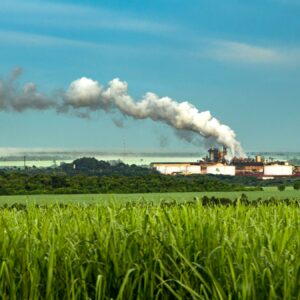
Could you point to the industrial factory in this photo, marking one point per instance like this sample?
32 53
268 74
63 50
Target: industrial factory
217 164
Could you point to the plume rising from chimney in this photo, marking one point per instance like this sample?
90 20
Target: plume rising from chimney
85 96
89 95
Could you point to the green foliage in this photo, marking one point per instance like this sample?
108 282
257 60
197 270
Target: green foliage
118 199
281 187
253 181
296 185
91 166
17 183
144 251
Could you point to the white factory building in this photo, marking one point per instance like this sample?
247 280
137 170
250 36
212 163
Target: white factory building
188 168
193 168
278 170
216 163
177 168
221 169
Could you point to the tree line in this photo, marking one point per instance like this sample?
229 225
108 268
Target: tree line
16 183
89 175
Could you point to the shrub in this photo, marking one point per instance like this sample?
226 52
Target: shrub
297 185
281 187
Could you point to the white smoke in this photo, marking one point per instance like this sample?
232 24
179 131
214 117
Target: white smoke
15 98
89 95
85 96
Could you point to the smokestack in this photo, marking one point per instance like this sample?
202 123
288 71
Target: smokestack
211 152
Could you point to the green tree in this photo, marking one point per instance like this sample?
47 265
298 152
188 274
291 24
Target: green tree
297 185
281 187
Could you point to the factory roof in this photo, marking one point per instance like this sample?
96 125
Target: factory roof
247 163
176 163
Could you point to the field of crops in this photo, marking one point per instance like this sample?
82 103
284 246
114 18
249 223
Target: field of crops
149 197
148 251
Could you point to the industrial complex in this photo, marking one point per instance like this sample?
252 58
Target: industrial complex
217 164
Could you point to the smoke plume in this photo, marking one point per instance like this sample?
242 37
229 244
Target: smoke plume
88 94
85 96
15 98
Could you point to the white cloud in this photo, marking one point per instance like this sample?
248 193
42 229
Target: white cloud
8 37
245 53
16 38
47 14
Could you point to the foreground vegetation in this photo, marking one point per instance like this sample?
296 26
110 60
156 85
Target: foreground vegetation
147 251
119 199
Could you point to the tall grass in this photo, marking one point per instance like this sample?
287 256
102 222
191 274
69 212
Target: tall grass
150 252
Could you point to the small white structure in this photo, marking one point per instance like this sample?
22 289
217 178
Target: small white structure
189 168
177 168
278 170
221 169
193 169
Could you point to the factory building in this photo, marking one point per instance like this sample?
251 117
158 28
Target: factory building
216 163
193 168
177 168
248 166
219 169
260 168
278 170
216 155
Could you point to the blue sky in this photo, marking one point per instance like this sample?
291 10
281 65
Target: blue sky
238 59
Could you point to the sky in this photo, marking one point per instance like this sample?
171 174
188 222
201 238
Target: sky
238 59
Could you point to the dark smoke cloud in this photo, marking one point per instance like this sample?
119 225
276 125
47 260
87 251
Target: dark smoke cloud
189 136
118 121
209 142
163 141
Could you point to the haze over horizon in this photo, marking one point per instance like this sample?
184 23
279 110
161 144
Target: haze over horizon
239 61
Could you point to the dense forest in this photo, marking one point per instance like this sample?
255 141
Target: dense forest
12 183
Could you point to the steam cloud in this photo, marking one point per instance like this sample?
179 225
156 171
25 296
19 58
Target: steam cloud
14 98
85 96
